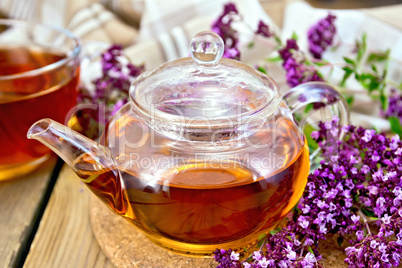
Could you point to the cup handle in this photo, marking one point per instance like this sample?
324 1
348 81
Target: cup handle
319 94
89 53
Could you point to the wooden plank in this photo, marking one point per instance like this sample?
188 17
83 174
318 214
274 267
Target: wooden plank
64 237
20 202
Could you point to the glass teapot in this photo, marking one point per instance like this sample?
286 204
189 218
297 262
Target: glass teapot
206 154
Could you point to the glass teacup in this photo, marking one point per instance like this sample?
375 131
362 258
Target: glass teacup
39 72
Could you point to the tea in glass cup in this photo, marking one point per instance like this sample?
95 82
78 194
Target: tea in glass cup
39 72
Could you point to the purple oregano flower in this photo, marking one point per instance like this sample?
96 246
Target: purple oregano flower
394 105
321 35
294 63
356 193
110 92
263 29
223 27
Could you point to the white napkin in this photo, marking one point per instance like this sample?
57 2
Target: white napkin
167 27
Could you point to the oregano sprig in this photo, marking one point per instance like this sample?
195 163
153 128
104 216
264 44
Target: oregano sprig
356 189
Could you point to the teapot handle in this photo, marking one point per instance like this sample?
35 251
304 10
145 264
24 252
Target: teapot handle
319 94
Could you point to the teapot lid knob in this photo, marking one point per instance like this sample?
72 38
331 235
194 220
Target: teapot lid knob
206 48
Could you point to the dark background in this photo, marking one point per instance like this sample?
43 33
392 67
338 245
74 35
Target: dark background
342 4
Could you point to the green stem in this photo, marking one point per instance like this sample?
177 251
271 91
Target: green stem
392 83
365 221
263 243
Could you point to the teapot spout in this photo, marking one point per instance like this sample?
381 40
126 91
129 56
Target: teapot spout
66 143
92 162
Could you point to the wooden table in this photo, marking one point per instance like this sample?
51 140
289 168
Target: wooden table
44 217
44 221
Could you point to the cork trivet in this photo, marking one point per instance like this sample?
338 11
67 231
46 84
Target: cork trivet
126 246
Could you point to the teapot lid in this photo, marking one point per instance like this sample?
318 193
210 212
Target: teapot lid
205 86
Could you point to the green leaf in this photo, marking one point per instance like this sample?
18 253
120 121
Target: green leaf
349 100
378 56
278 41
310 141
349 61
261 237
368 81
331 71
361 48
374 68
262 69
310 249
348 72
249 258
384 101
321 63
298 116
308 108
367 212
251 44
395 125
261 240
294 36
274 59
386 68
374 84
274 232
295 209
259 244
335 48
339 240
320 75
364 41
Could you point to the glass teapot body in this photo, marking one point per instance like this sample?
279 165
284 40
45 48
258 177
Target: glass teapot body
194 195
